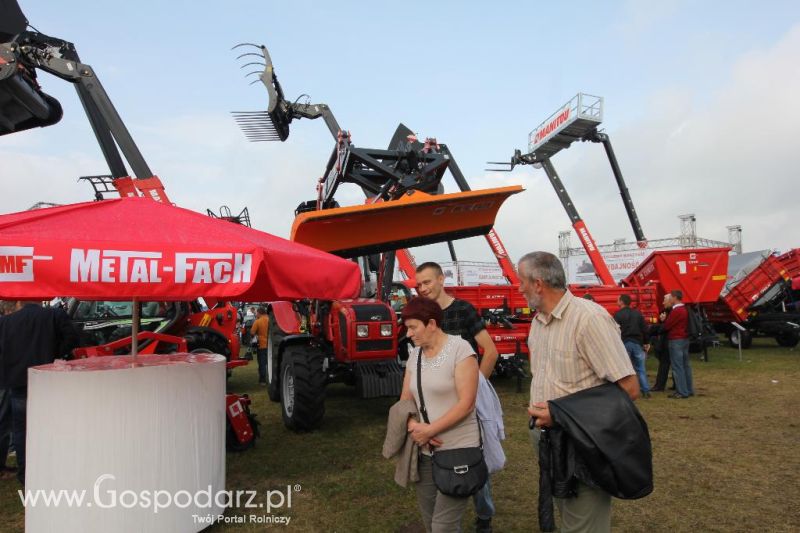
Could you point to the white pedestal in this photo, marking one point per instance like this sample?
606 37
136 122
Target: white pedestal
145 446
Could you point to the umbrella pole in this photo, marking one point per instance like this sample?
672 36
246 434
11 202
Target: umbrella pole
135 331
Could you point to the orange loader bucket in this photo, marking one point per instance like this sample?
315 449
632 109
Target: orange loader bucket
416 219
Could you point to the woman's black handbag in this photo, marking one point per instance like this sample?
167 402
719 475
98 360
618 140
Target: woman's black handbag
460 472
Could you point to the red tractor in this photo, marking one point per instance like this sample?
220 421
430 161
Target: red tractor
313 343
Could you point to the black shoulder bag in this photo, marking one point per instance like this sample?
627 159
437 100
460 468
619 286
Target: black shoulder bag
460 472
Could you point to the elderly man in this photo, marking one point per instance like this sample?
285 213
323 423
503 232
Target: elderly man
574 345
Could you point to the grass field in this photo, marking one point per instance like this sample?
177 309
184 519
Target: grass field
726 460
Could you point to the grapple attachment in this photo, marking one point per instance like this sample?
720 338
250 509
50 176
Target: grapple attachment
272 124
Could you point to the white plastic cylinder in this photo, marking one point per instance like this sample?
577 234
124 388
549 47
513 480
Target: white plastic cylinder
144 445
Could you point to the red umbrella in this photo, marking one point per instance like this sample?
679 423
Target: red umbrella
138 248
134 248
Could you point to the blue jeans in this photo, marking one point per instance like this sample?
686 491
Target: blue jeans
681 368
637 355
484 506
19 409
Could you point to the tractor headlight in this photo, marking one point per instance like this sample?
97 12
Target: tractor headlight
386 330
362 330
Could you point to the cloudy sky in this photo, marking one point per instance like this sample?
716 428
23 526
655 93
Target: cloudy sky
701 103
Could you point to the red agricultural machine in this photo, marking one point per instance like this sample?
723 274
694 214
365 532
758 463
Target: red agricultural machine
578 120
699 273
313 343
760 299
105 326
763 301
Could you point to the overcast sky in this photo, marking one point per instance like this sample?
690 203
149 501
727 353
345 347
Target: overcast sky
701 103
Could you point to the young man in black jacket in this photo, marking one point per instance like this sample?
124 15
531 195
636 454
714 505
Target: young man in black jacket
634 331
32 335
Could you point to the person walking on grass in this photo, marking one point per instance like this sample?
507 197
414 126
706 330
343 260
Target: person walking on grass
574 345
460 318
633 330
449 380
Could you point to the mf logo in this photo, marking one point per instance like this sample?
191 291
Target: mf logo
16 263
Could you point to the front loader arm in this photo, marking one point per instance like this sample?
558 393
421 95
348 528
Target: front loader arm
31 51
313 111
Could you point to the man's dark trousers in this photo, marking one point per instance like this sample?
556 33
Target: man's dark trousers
262 365
19 403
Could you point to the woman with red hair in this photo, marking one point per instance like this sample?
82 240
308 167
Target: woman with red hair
449 376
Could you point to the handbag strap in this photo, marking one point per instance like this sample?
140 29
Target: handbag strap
424 412
422 409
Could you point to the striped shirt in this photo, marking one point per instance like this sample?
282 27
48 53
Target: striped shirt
576 347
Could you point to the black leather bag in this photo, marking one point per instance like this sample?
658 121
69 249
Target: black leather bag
460 472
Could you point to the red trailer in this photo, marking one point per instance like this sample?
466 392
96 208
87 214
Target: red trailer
645 299
760 313
748 291
700 273
507 313
790 261
509 316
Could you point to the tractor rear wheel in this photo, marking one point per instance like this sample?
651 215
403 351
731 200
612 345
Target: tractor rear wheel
275 336
302 386
736 334
788 339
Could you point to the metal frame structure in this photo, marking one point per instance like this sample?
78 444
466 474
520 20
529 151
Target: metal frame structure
654 244
735 238
243 218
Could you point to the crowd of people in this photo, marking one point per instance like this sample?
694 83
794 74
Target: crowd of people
447 403
583 362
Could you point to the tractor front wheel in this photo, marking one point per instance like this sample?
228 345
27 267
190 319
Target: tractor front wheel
302 387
